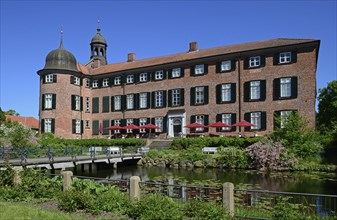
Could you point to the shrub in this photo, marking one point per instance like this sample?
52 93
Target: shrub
156 207
199 209
232 158
267 155
113 200
72 200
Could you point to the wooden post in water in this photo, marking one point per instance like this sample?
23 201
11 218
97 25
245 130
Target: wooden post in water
135 188
67 180
228 198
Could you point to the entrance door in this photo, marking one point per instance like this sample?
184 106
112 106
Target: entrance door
177 129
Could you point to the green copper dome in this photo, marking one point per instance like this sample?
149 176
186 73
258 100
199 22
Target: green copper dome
61 59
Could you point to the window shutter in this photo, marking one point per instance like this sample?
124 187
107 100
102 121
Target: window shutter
205 69
95 105
54 78
42 125
246 63
263 121
148 100
81 103
218 118
136 121
276 58
105 104
53 125
95 127
182 72
218 94
105 125
206 95
123 102
218 67
153 121
192 71
246 91
233 65
165 124
192 96
74 126
72 79
247 118
233 92
206 122
72 102
263 90
43 100
182 97
294 87
192 120
136 101
169 98
123 79
123 122
263 60
82 126
276 87
153 99
277 120
81 81
43 79
169 74
164 74
152 76
233 121
112 103
164 99
294 57
53 101
136 78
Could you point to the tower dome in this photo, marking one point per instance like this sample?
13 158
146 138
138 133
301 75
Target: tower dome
98 38
61 59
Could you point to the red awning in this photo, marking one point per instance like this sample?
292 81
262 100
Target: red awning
195 125
150 126
131 126
115 127
219 124
243 124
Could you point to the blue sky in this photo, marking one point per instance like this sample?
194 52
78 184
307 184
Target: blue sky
31 29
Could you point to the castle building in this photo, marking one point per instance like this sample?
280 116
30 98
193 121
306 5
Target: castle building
255 81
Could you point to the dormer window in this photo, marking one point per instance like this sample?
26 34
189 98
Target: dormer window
117 80
176 72
285 57
254 61
143 77
159 75
199 69
130 79
226 65
105 82
95 84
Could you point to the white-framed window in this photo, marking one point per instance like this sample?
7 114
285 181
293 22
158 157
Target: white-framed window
47 125
117 80
285 57
130 79
143 100
143 77
87 124
49 78
227 119
159 99
48 101
129 122
199 95
87 104
142 122
117 122
158 75
95 84
130 101
176 97
284 117
255 90
255 119
176 72
199 119
77 103
254 61
78 126
226 92
117 102
285 84
77 81
199 69
87 83
159 122
226 65
105 82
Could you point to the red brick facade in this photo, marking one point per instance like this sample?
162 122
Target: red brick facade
302 71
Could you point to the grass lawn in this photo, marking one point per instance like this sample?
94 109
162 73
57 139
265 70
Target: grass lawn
22 211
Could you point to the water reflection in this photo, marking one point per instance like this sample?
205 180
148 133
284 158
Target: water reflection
321 183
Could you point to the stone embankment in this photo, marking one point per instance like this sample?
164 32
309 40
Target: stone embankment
177 163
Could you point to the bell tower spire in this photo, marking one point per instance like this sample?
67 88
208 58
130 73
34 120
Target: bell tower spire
98 47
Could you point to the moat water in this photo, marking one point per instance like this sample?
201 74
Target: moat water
301 182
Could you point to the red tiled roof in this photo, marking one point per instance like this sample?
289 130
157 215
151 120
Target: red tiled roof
278 42
28 121
82 69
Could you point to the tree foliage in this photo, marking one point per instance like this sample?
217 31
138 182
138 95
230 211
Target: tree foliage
327 107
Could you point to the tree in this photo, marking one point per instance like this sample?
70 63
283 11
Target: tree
327 107
2 116
12 112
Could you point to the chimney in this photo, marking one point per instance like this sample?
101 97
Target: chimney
131 57
193 46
